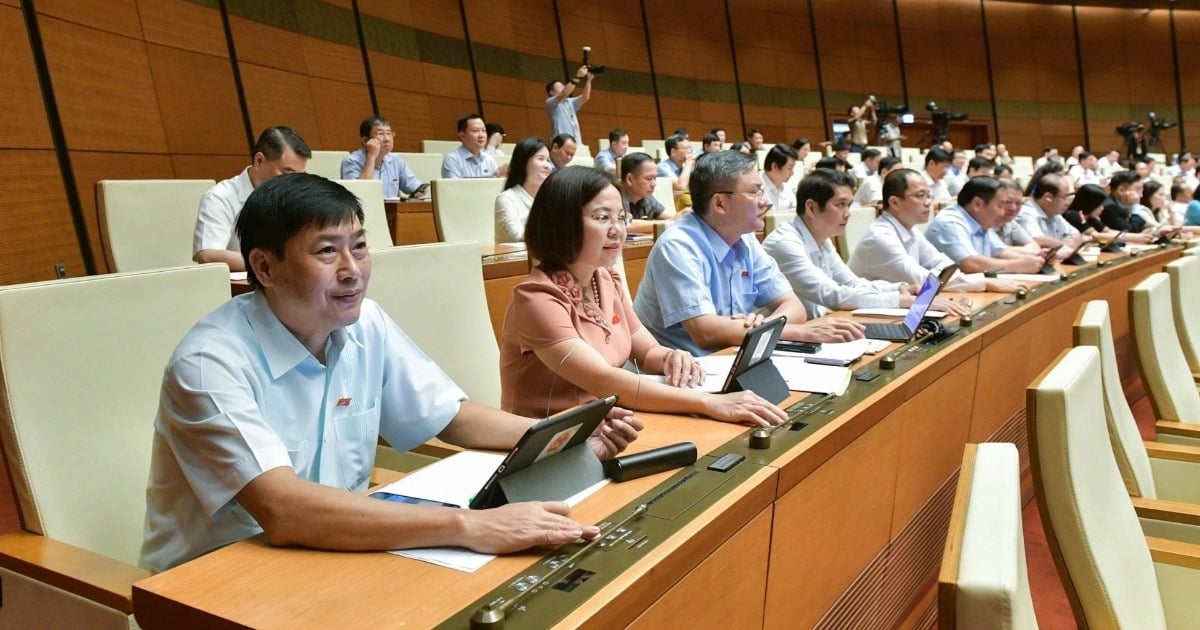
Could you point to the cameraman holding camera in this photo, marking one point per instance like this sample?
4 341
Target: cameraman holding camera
561 106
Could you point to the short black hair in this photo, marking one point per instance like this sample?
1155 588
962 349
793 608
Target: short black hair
1048 183
273 140
779 156
980 148
710 138
1087 199
673 142
888 162
1000 169
937 154
554 231
870 153
832 162
1050 166
518 165
283 206
561 140
368 123
633 161
550 85
820 186
800 143
682 132
753 130
615 135
896 184
466 118
714 172
984 188
716 130
977 163
492 128
1122 178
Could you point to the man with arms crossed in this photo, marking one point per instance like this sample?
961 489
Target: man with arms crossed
894 250
375 160
966 232
707 276
807 257
278 150
273 404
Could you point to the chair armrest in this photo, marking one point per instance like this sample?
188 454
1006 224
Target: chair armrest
1180 429
1169 511
1173 552
1177 452
73 569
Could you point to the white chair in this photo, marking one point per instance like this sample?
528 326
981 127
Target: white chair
1115 576
582 150
602 143
652 147
370 195
1165 373
81 363
465 209
984 582
1185 293
441 147
415 282
426 166
861 218
507 147
148 223
327 164
581 160
664 193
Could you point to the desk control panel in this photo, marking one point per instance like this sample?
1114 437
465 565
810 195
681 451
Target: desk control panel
548 590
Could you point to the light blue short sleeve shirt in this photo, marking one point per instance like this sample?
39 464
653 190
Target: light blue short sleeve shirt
958 235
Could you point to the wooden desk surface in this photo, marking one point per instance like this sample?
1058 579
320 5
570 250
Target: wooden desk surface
851 518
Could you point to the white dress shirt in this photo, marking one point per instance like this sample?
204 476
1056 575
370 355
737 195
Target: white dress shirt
889 251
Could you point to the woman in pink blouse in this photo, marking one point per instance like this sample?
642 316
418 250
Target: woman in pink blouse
570 328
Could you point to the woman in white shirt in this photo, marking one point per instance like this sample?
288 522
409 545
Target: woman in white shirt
530 166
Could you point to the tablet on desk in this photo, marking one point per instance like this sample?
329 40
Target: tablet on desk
561 437
752 368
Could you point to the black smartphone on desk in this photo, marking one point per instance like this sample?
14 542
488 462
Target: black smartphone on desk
802 347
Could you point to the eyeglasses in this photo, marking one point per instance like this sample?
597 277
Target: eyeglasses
623 219
384 134
923 195
757 193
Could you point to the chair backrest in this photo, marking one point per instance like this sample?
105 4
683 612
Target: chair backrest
81 362
441 147
1164 369
582 160
148 223
464 209
1185 294
861 218
652 146
416 283
426 166
1090 523
1093 328
327 164
664 193
984 581
370 195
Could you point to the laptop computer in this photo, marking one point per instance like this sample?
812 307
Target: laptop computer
905 330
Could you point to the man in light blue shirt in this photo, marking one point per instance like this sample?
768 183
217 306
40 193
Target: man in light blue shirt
708 279
965 232
618 144
469 159
273 404
563 108
376 151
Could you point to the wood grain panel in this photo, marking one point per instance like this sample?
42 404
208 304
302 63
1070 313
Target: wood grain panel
519 121
214 167
438 16
36 231
333 61
451 82
388 71
104 89
278 97
397 11
91 167
829 505
445 113
727 582
339 108
624 46
198 101
23 121
411 118
264 45
183 24
510 91
113 16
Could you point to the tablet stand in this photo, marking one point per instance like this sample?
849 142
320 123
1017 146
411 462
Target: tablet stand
763 379
555 478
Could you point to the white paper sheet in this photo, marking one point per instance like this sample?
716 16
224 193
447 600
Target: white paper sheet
808 377
844 351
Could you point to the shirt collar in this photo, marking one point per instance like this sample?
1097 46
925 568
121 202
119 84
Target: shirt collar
244 186
281 349
810 243
720 249
905 234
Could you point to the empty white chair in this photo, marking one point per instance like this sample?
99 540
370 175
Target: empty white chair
148 223
984 582
370 195
1165 372
81 363
860 221
439 146
651 147
327 164
426 166
465 209
1185 294
415 283
664 193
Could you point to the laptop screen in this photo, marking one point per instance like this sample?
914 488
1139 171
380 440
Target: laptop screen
921 304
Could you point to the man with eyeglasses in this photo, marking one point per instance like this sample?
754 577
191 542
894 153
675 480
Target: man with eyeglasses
1042 215
375 160
966 232
1010 232
807 257
708 279
894 250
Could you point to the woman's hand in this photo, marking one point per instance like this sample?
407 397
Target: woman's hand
681 369
746 408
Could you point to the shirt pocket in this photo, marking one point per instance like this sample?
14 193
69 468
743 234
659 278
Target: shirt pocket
357 437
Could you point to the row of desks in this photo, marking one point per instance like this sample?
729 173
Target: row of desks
839 524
